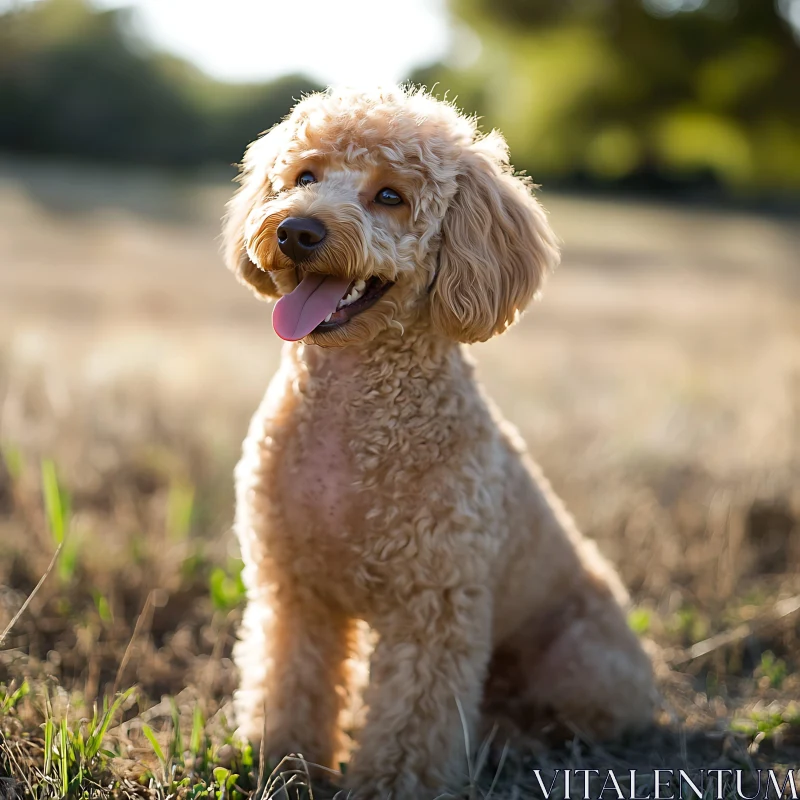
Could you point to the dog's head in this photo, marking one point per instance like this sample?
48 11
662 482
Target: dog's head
365 210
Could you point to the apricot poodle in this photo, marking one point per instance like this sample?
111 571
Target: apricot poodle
378 484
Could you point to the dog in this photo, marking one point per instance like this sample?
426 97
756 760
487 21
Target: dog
378 484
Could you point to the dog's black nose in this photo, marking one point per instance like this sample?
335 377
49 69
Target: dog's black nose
299 237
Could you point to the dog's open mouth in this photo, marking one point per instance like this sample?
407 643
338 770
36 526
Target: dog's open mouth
324 302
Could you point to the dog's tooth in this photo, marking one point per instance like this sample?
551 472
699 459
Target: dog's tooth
353 295
328 318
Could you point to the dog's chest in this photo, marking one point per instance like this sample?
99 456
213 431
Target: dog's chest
320 508
317 477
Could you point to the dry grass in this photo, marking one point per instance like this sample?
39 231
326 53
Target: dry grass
658 383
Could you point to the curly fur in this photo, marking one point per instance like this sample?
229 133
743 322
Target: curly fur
378 484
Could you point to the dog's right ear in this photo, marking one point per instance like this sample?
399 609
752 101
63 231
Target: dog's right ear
255 187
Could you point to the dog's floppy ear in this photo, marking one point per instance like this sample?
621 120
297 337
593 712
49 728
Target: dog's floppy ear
254 186
496 247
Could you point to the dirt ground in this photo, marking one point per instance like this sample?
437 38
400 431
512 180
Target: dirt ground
657 382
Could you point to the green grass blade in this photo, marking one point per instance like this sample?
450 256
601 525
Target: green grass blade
198 726
176 746
63 761
95 741
48 734
9 699
56 502
151 737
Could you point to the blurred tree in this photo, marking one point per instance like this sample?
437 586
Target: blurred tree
647 93
241 112
643 92
76 82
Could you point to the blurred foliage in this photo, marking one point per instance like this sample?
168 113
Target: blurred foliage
641 94
77 82
636 93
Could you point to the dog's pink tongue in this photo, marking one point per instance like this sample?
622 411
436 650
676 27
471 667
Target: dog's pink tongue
297 314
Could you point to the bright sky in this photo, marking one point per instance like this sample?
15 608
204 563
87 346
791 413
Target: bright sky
335 41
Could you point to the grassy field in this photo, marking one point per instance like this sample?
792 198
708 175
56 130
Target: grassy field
657 382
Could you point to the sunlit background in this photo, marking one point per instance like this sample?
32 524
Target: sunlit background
657 381
699 96
353 43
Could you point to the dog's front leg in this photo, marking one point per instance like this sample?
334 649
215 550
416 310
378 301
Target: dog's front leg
426 680
292 658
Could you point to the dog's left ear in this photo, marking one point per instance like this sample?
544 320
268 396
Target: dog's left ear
496 247
254 187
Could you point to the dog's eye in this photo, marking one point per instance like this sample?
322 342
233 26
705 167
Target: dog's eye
388 197
306 179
